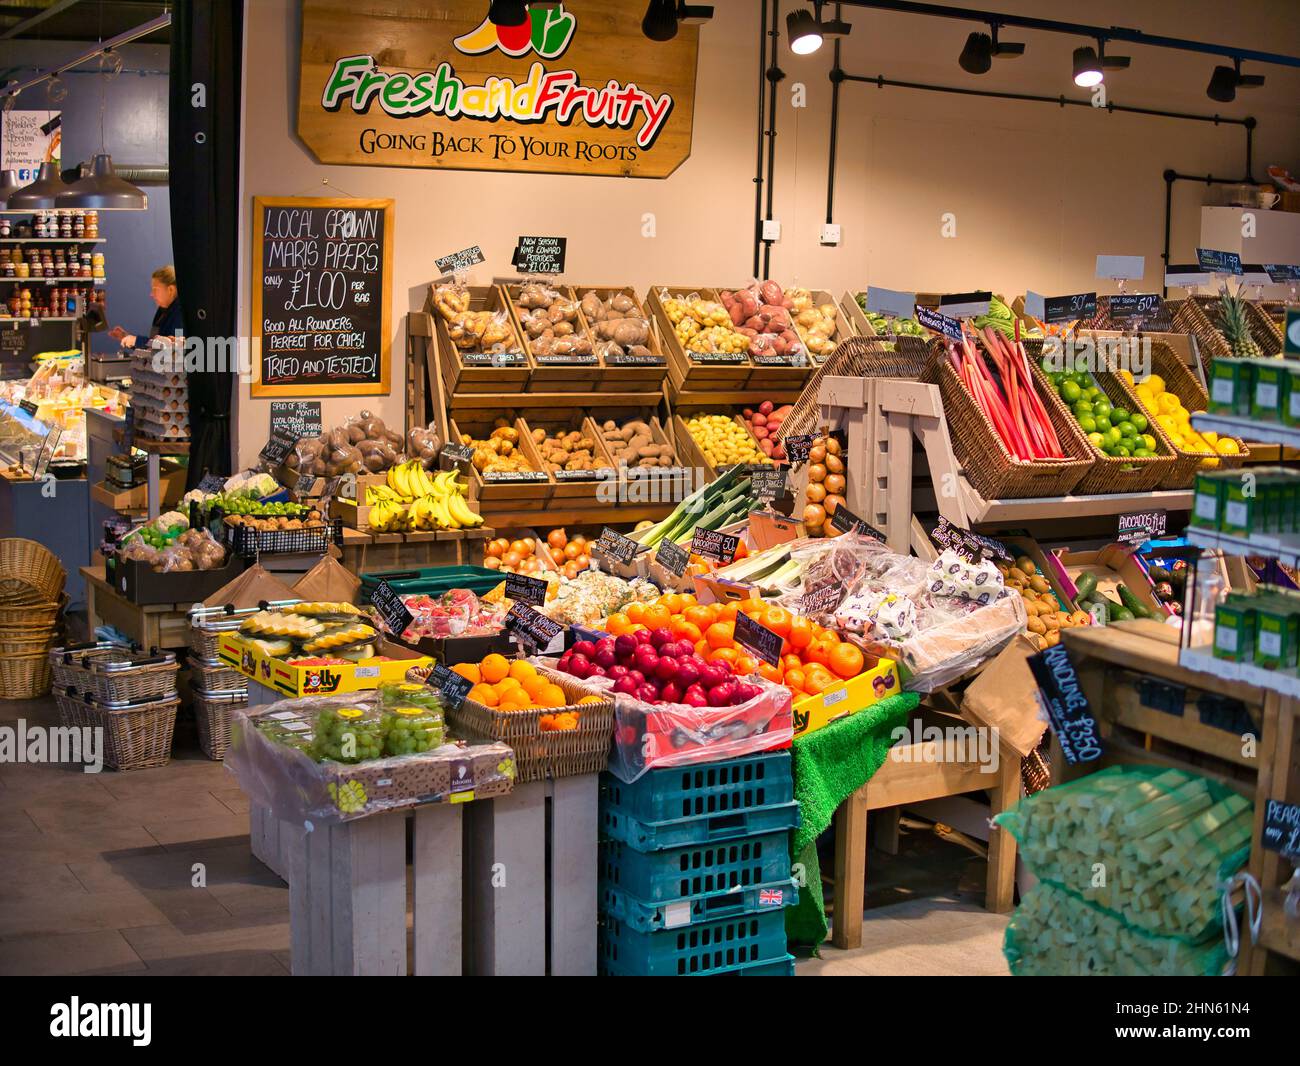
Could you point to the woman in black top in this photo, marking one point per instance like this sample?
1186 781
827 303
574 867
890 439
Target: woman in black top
167 319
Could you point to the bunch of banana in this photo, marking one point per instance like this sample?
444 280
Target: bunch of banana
412 500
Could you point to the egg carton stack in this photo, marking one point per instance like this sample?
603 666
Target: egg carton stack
695 869
160 399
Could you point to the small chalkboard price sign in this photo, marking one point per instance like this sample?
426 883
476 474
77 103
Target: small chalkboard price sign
530 627
938 323
766 481
456 454
453 686
614 545
1067 706
823 600
211 484
1140 526
524 589
1124 307
756 637
1056 309
296 418
798 446
540 255
458 261
672 557
322 293
845 521
391 609
1281 832
276 450
720 547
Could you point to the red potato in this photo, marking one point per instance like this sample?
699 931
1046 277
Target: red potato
771 292
759 419
755 323
769 449
736 312
765 407
760 432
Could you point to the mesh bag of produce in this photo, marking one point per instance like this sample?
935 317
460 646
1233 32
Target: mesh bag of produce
1154 847
1054 934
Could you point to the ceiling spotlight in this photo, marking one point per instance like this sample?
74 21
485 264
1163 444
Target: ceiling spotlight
508 12
1225 81
804 31
1006 49
1087 67
694 14
977 56
660 22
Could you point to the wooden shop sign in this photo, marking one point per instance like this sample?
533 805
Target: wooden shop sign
576 89
322 287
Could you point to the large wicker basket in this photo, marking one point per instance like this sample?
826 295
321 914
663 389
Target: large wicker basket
988 464
33 615
212 714
1108 473
29 574
538 754
136 735
1182 383
24 677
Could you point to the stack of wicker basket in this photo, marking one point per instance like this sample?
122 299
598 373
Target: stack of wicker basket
31 617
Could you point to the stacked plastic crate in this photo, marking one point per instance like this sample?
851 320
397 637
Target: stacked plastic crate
695 869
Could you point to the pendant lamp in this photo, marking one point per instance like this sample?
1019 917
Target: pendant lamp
41 194
102 190
8 183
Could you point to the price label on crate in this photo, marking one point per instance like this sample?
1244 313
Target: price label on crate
614 545
822 601
453 687
276 450
721 547
524 589
456 454
965 304
766 481
1066 705
212 484
305 485
1124 307
757 638
1141 526
391 609
458 261
1281 832
798 446
672 557
1282 273
972 545
845 521
530 627
938 323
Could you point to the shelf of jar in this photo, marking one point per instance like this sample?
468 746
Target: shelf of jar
53 240
55 281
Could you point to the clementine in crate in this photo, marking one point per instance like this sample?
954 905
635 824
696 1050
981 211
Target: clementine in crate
846 660
494 668
469 671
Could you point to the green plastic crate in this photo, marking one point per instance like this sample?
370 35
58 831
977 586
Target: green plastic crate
433 580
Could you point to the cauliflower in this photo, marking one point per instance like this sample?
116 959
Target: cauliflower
171 520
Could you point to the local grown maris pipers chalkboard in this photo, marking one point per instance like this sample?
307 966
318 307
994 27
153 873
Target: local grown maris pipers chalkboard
322 279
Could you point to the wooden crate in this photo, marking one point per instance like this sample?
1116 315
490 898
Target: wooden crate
506 495
648 484
554 377
777 377
457 375
576 487
630 378
689 373
687 450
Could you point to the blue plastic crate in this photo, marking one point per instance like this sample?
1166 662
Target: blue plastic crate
646 917
697 869
708 789
617 824
748 946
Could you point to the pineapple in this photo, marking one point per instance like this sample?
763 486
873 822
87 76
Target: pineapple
1236 328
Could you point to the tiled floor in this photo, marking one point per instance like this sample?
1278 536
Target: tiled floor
149 872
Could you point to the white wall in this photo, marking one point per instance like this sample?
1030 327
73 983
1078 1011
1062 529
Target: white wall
1037 191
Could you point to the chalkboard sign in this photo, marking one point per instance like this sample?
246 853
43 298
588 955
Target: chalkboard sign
458 261
1053 309
1067 706
1282 272
276 450
212 484
1140 526
322 289
756 637
530 627
822 601
13 340
1217 262
614 545
720 547
296 418
28 406
1127 306
540 255
941 324
845 521
766 481
798 446
1281 832
672 557
456 454
391 609
453 686
524 589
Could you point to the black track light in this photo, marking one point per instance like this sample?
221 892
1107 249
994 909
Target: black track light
507 12
660 22
977 56
1087 67
1006 49
804 31
1225 81
694 14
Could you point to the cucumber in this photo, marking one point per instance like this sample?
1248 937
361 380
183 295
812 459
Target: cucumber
1122 614
1136 606
1086 585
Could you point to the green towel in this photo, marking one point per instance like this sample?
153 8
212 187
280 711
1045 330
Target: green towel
830 765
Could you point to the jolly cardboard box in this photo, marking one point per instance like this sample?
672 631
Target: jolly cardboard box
290 680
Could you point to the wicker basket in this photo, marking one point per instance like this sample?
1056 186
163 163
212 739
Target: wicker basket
1163 322
986 461
212 713
29 573
1110 474
540 755
1263 329
24 677
215 676
33 615
137 734
1182 383
69 664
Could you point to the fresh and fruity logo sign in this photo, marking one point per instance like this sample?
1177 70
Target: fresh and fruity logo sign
547 32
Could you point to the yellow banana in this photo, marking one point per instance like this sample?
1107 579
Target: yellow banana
460 510
420 479
399 482
445 518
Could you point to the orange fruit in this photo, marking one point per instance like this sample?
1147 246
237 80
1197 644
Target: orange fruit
795 679
617 624
727 655
691 632
727 612
674 601
689 601
777 619
846 660
469 671
512 705
590 699
819 651
546 723
721 634
702 648
552 696
817 680
750 609
657 616
791 661
745 664
700 617
484 695
635 613
800 635
521 670
534 685
494 668
770 672
677 624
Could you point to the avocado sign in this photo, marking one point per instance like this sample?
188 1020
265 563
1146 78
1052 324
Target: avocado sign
575 89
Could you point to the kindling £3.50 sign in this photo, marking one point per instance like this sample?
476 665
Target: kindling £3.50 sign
576 89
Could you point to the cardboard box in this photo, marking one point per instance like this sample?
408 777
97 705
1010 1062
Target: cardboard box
847 697
1114 565
289 680
142 585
